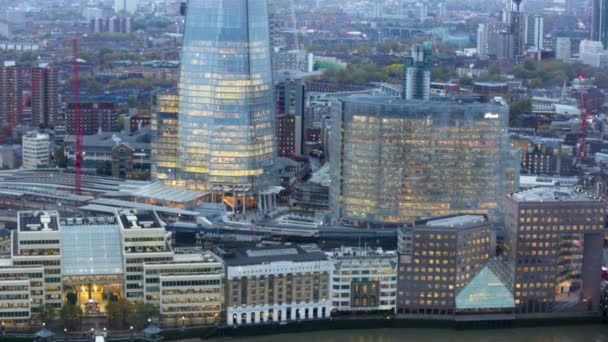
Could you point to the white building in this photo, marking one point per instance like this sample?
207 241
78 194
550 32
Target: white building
563 49
593 53
364 279
35 150
128 6
277 284
535 32
124 253
482 41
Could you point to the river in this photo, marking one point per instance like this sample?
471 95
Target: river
584 333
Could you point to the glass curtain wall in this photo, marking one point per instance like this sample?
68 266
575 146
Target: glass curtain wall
397 161
226 111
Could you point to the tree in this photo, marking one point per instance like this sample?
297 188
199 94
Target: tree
601 80
72 297
140 314
47 313
132 100
393 70
466 81
117 313
519 107
71 314
61 159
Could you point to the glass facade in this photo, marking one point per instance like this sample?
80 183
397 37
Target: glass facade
164 143
400 160
226 135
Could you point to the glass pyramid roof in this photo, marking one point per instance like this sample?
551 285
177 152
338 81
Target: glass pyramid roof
91 250
485 291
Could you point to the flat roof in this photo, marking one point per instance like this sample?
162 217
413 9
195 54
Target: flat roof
456 220
452 221
552 194
322 176
30 221
259 255
138 219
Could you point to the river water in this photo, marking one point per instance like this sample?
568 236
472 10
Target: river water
585 333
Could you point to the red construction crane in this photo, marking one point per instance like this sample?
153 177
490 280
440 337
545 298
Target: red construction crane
77 127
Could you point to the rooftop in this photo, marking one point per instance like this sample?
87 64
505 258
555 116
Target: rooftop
453 221
322 176
266 254
456 220
30 221
138 219
360 252
552 194
91 250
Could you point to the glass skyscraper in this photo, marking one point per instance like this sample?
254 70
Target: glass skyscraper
226 134
395 161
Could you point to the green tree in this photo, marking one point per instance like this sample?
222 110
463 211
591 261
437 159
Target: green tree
71 314
140 313
132 100
47 313
60 157
519 107
393 70
601 80
117 313
466 81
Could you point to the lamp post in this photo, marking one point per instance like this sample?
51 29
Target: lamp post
65 334
183 322
3 329
131 331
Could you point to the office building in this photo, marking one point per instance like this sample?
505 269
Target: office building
563 49
417 73
553 247
35 149
289 99
164 137
45 95
227 122
277 284
592 53
395 161
535 32
363 279
11 90
112 25
94 117
123 155
439 258
8 156
514 42
482 41
599 21
119 254
126 6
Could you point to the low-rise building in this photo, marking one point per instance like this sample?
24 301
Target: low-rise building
35 150
91 260
364 279
438 257
277 284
